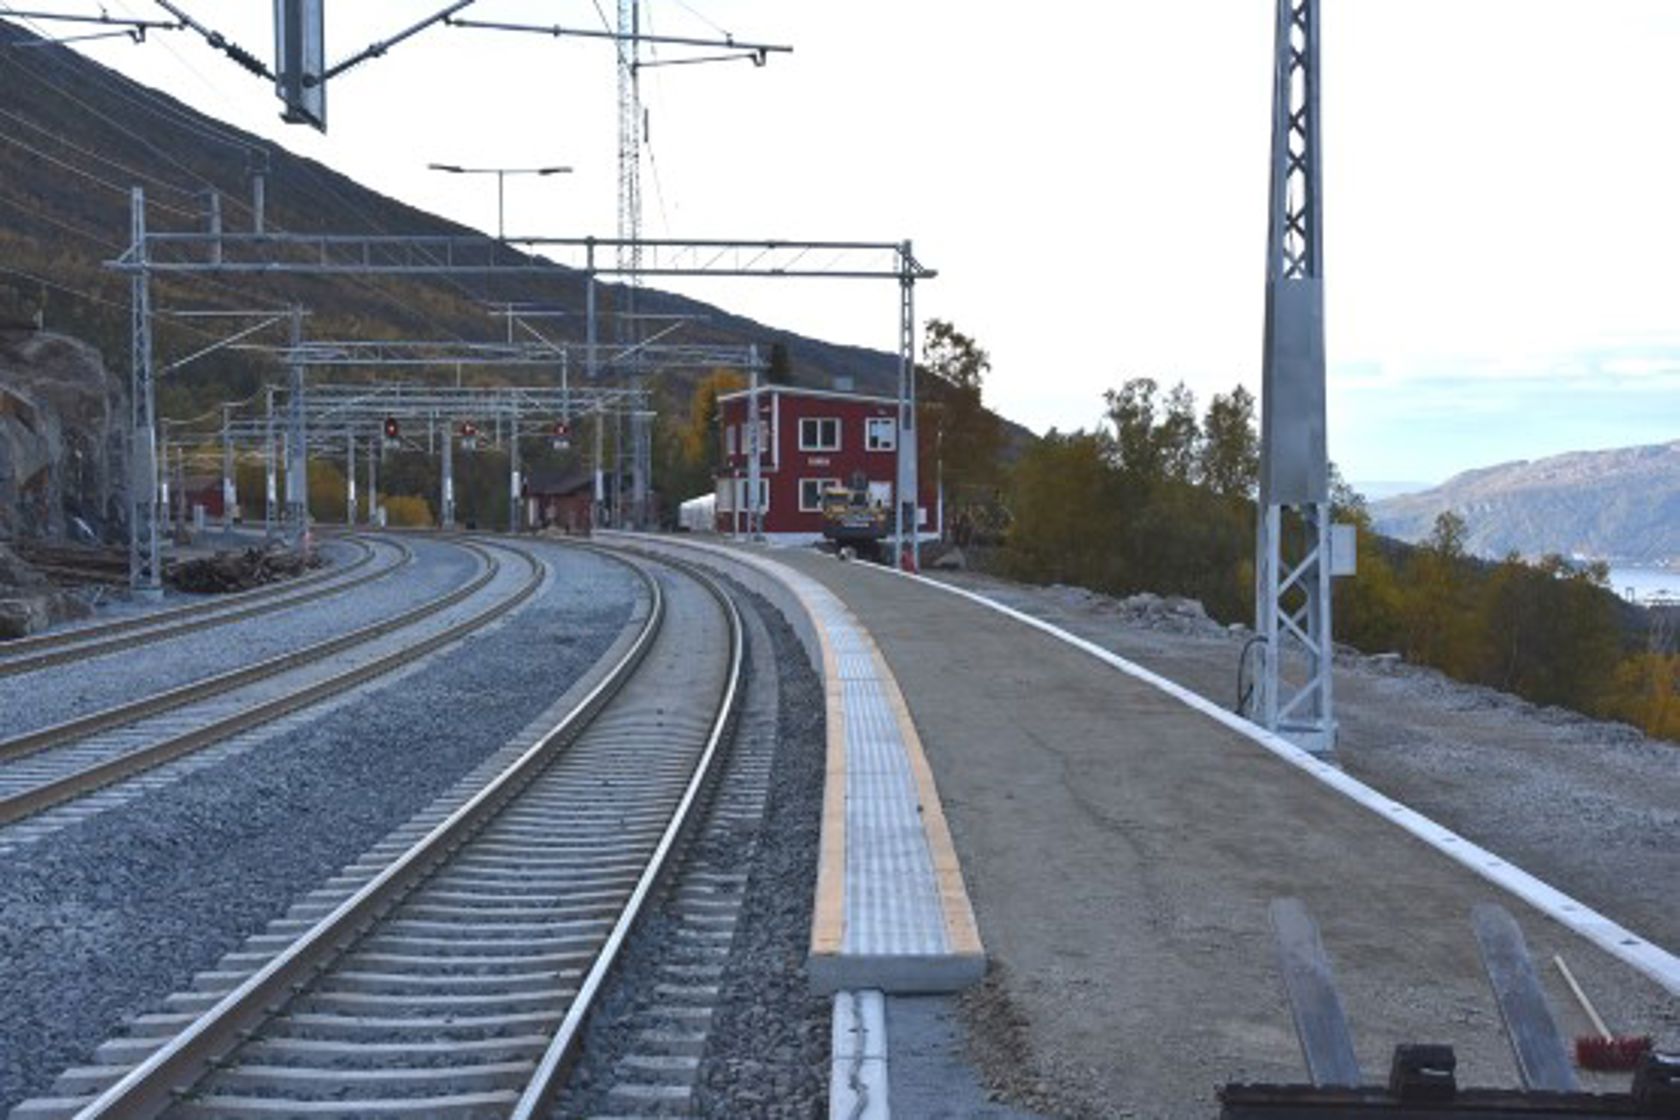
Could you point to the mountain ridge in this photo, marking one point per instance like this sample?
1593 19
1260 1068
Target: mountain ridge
74 135
1620 504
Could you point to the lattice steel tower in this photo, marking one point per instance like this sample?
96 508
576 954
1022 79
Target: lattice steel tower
1292 693
629 139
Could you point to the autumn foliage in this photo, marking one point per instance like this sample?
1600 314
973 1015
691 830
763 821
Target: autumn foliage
1161 499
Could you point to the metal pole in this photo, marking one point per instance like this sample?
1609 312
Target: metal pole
641 447
447 519
373 480
229 492
271 490
908 498
297 436
216 226
591 369
501 230
181 511
350 477
600 468
755 519
513 469
145 571
166 506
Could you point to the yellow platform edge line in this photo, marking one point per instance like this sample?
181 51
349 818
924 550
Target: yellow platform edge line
828 919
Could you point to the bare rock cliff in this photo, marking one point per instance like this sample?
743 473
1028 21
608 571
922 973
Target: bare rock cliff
62 420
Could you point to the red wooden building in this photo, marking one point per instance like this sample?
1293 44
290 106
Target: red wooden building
813 439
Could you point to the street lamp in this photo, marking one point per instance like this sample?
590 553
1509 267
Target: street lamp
501 174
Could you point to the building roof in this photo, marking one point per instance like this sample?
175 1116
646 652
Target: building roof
560 481
800 391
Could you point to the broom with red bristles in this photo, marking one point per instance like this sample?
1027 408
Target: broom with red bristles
1605 1052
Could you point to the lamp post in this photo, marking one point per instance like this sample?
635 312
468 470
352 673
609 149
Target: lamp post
501 174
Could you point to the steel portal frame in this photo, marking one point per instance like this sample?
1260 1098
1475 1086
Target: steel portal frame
333 416
220 252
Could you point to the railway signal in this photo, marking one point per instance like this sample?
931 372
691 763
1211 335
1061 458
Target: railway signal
469 436
562 435
393 430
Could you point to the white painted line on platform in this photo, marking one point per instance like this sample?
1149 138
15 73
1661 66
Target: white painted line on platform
1617 940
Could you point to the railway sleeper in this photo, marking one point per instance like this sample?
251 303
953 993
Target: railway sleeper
477 1106
306 1083
368 1028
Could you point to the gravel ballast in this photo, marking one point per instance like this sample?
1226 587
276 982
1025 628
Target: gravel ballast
61 692
768 1049
100 921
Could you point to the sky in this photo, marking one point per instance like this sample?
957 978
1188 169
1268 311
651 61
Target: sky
1502 241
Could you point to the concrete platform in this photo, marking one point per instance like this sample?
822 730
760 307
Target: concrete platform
891 912
1122 840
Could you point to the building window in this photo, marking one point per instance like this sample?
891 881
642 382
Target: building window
880 433
811 492
819 433
729 441
740 504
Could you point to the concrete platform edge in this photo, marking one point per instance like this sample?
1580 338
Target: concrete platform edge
830 969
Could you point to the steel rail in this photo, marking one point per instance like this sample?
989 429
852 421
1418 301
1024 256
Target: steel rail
152 618
33 742
557 1061
203 616
40 798
154 1084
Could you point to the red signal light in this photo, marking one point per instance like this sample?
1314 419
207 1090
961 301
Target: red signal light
392 430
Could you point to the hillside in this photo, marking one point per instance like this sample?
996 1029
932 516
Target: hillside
75 136
1621 505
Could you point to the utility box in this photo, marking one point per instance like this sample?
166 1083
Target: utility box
1344 550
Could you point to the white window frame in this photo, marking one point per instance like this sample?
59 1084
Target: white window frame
729 441
823 486
817 444
872 441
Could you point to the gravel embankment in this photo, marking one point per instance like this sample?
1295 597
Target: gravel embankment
100 921
61 692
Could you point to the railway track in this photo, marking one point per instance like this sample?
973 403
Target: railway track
51 766
451 971
25 655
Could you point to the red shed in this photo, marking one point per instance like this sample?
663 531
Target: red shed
814 439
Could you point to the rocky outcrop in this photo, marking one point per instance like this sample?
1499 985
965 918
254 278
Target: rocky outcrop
1621 505
28 603
62 417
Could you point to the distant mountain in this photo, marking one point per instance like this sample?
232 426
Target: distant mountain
1621 505
1376 491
